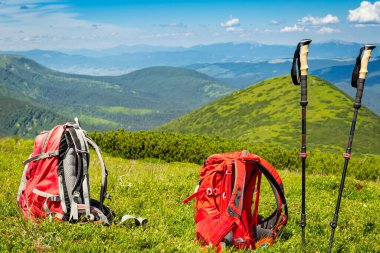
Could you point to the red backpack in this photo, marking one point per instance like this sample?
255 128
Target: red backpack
55 182
227 202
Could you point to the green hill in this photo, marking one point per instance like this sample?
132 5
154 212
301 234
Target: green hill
136 101
22 118
269 112
181 88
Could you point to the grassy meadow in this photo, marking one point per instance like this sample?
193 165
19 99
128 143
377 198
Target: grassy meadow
155 189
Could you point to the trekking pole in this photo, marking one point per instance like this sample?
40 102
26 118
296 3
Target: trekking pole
358 78
300 78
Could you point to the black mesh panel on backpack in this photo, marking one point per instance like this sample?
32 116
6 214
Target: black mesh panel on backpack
63 149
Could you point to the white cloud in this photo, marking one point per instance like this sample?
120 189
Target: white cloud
316 21
366 25
295 28
48 25
275 22
314 24
174 24
170 35
327 30
263 30
231 22
233 29
232 25
365 13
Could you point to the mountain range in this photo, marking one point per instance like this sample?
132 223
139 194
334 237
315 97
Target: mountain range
135 101
269 112
125 59
237 65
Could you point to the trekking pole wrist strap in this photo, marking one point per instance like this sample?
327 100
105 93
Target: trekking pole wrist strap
299 65
360 72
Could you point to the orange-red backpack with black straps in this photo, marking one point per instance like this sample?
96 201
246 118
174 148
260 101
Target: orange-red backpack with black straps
228 198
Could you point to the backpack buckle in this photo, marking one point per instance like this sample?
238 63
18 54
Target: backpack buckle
210 191
79 151
76 195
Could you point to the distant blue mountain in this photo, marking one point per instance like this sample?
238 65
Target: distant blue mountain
341 77
243 74
124 59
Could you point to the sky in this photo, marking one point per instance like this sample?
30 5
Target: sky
98 24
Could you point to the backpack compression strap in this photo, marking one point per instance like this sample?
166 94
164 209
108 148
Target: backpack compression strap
235 206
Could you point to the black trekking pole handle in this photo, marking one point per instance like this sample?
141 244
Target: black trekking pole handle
299 74
358 79
300 68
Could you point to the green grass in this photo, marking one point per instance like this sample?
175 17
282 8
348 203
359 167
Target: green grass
99 121
155 190
126 110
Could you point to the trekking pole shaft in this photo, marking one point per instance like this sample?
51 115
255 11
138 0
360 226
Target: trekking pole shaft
357 104
303 214
302 223
304 68
334 222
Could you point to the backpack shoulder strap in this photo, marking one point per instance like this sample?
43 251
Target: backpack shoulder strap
85 155
103 189
82 183
276 184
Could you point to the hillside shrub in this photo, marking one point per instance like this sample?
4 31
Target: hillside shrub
172 147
